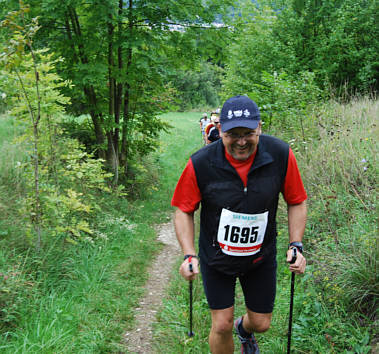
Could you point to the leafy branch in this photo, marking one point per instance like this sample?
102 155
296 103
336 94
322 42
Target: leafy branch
21 39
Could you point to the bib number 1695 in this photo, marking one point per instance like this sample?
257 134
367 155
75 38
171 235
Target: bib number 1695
241 234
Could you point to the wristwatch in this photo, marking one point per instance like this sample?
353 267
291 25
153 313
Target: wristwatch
298 245
189 255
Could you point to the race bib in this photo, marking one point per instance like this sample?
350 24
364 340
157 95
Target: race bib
241 234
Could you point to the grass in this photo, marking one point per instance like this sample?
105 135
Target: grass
70 299
82 299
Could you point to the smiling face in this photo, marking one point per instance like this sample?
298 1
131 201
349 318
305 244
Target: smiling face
240 143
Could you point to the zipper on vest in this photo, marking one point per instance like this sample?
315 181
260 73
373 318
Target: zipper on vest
245 190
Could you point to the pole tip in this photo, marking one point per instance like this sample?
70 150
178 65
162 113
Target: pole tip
190 334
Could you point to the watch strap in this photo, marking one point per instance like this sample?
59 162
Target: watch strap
189 255
298 245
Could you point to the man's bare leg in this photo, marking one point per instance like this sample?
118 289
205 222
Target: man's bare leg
221 335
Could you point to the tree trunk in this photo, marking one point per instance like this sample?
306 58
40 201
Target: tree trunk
112 155
37 208
126 103
124 141
88 89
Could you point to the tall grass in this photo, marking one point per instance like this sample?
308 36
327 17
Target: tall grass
80 299
343 184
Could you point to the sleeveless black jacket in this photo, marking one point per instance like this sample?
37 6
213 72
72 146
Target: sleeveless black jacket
221 187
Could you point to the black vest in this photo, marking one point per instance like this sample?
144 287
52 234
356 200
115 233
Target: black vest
221 187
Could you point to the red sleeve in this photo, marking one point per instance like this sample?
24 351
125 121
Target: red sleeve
293 188
187 195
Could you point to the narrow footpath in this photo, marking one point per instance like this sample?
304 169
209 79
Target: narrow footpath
138 340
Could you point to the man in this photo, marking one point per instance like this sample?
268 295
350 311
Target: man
214 132
238 180
204 121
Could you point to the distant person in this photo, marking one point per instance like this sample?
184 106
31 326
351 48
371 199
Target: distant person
237 180
204 121
204 116
215 132
215 114
208 128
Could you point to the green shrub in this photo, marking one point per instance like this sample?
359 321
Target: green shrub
285 102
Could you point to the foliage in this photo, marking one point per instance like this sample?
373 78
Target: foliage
335 40
68 298
59 177
250 51
4 99
285 102
118 56
198 88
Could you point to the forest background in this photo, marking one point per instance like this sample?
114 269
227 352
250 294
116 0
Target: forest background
86 161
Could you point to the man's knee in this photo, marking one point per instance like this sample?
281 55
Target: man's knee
262 326
222 321
222 325
258 322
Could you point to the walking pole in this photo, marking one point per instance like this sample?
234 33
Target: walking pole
293 260
190 333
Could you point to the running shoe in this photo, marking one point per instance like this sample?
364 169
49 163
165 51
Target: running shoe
248 345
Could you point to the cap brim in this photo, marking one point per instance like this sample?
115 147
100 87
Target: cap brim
234 123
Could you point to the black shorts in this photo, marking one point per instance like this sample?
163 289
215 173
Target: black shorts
258 286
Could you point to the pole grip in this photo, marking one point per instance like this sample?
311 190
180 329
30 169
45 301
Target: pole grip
294 255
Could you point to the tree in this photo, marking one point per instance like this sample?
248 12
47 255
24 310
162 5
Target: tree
59 177
21 38
117 54
337 40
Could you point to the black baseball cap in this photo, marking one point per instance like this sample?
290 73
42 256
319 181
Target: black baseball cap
239 111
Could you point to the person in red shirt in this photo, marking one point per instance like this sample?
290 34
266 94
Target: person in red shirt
237 180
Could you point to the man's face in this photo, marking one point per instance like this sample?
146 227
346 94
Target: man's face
241 142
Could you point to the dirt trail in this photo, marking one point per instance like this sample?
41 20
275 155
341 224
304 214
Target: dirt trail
138 339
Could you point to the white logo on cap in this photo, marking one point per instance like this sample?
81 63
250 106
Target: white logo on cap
239 113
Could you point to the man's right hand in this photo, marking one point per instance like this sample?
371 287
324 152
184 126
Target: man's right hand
185 271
